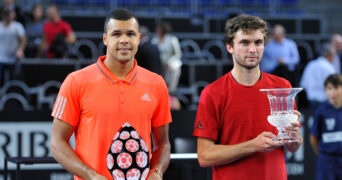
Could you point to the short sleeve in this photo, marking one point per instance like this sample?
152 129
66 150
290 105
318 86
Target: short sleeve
206 122
67 28
162 114
21 30
67 104
316 127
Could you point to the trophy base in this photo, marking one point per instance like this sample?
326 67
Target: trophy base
287 139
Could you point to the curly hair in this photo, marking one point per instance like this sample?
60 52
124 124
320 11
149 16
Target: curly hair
246 23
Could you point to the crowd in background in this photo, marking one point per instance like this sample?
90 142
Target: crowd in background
42 33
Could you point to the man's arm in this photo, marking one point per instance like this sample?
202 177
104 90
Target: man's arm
161 155
70 38
42 47
210 154
20 50
65 155
314 144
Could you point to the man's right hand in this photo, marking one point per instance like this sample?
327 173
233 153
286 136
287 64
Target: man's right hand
264 142
93 175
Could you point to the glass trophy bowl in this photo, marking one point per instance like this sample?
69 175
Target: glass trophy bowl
282 102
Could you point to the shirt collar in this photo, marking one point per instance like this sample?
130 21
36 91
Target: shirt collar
130 77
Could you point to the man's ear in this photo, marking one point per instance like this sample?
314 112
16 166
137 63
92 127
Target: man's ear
230 48
104 39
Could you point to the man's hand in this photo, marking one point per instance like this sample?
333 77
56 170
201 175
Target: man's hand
93 175
264 142
293 131
154 176
19 53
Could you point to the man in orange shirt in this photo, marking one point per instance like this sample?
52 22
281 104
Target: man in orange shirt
113 106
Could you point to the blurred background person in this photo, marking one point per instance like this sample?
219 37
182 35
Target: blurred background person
336 42
314 75
57 34
325 137
12 44
148 55
34 30
170 53
19 13
281 55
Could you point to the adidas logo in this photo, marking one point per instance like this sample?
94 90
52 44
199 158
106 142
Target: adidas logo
145 97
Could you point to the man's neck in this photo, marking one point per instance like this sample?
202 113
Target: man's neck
247 77
56 19
119 69
6 23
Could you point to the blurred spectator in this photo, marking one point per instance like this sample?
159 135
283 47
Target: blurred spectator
12 44
170 53
57 34
336 42
19 14
148 55
281 56
325 134
34 30
315 73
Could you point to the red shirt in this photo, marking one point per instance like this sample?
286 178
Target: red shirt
52 29
230 113
96 102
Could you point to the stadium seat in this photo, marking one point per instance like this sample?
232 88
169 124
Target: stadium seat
14 101
288 2
217 48
17 86
85 48
190 49
47 94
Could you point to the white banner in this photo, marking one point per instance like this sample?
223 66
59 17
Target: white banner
25 139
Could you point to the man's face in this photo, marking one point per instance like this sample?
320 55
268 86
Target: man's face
334 94
338 44
248 48
52 12
122 39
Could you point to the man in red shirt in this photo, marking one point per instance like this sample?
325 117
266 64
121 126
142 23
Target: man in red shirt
57 33
234 137
100 102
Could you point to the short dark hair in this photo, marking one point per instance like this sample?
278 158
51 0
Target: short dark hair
334 79
244 22
122 14
53 5
165 26
5 12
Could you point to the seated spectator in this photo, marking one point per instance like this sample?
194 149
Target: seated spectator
12 44
19 13
314 75
170 54
148 55
281 56
57 34
34 30
336 42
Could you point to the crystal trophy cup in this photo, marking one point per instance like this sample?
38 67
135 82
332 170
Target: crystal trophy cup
282 102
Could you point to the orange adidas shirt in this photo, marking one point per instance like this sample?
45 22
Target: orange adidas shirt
96 102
